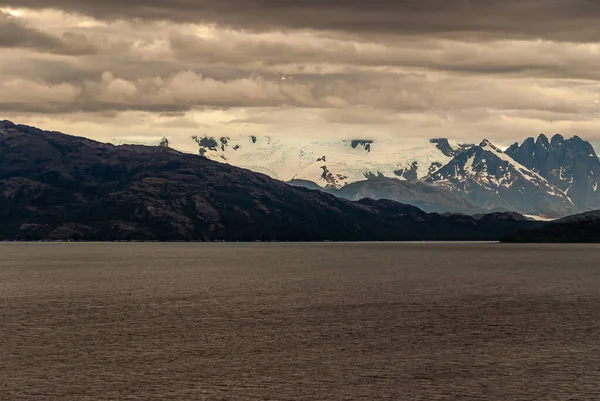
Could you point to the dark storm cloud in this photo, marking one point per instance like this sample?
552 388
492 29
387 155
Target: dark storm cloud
431 68
574 20
524 58
15 34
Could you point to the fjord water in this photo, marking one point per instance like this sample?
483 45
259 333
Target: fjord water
299 321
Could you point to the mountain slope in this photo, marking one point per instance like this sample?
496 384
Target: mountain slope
59 187
430 198
552 178
569 164
493 180
330 163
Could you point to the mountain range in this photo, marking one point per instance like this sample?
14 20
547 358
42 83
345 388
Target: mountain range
491 179
60 187
543 178
330 163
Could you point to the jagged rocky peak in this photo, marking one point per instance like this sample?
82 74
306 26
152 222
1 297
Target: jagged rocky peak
469 163
558 139
570 164
542 140
540 149
485 143
444 146
512 148
488 145
493 180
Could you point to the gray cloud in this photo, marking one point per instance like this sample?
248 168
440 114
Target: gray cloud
421 68
525 58
380 92
573 20
15 34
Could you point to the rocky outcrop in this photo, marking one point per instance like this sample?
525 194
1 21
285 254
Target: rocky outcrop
444 146
363 143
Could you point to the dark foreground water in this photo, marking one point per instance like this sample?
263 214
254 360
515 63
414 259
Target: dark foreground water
299 322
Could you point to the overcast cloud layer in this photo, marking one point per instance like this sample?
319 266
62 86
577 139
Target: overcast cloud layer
140 70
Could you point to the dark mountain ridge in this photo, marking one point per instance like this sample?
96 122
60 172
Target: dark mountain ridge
585 231
60 187
588 216
579 228
572 165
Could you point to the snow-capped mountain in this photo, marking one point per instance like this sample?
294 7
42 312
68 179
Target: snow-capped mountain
569 164
540 178
493 180
331 163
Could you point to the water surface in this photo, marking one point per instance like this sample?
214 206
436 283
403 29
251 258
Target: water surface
299 322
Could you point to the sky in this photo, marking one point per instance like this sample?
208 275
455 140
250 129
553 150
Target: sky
135 70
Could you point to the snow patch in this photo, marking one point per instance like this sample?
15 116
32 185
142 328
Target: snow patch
294 158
